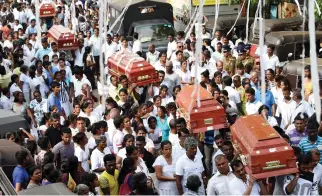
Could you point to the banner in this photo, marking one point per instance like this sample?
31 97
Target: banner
209 2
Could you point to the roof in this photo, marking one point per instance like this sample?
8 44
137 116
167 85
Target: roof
50 189
120 4
8 150
11 122
226 22
285 37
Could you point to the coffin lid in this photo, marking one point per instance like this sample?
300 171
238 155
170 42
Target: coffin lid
186 97
258 126
59 31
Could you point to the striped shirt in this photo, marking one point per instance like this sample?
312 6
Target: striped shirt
296 137
305 146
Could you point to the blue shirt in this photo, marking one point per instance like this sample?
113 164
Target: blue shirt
305 146
269 100
209 137
164 127
20 175
41 52
53 100
53 70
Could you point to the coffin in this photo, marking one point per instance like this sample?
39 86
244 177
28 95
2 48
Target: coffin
209 116
47 9
64 38
136 68
263 151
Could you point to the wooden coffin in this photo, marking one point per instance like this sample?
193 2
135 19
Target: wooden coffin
209 116
136 68
64 38
263 151
47 9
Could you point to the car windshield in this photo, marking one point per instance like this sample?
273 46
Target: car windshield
155 32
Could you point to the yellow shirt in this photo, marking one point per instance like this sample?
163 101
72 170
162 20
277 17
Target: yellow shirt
109 181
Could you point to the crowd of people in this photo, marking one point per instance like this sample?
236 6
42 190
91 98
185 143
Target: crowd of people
137 143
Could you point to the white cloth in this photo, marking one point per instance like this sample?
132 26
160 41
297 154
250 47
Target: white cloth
233 94
219 184
172 46
82 156
152 57
252 108
79 53
303 187
109 49
117 140
78 84
271 62
303 107
167 170
238 187
137 46
285 109
186 167
97 158
5 103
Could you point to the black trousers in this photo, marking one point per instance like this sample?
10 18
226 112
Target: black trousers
97 65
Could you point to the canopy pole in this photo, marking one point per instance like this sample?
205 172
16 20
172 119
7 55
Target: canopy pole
216 18
247 22
314 68
262 52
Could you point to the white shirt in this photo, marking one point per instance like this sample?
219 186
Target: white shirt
233 94
51 53
186 167
219 184
176 64
302 106
285 109
94 42
14 87
318 174
79 83
238 187
97 158
149 144
252 108
109 49
172 46
79 57
303 187
271 62
117 140
8 44
5 103
152 57
158 66
137 46
28 55
272 121
174 139
122 153
82 156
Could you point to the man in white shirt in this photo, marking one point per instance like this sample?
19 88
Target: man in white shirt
301 105
172 45
174 54
285 109
177 60
152 56
78 80
219 183
217 39
109 48
270 59
252 104
317 167
218 55
301 183
243 184
160 64
54 50
232 93
205 34
137 45
94 43
79 53
5 102
117 137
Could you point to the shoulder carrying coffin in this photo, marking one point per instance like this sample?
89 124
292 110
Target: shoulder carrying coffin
263 151
209 116
47 9
64 38
136 68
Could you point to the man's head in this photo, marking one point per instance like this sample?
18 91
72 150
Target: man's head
222 164
250 94
299 122
193 183
228 149
124 81
254 77
22 158
151 48
220 66
170 37
219 140
55 120
110 163
218 35
270 49
80 124
66 135
237 81
191 145
286 94
180 46
180 124
169 67
312 129
315 154
307 71
305 163
227 81
238 169
140 143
